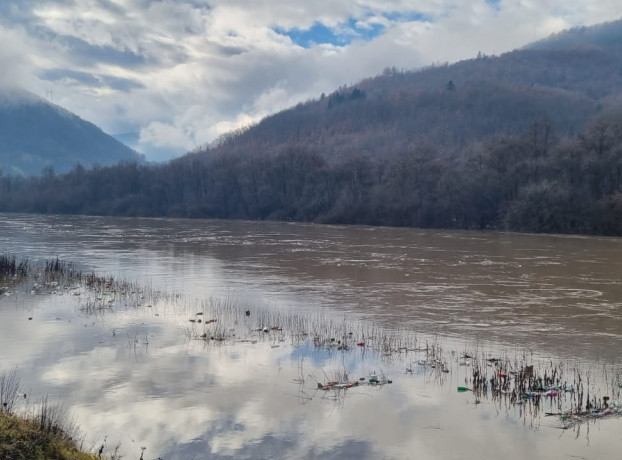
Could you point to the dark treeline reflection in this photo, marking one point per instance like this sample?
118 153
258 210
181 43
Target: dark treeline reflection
535 181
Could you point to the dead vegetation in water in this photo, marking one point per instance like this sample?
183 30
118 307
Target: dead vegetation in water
225 321
12 272
569 392
11 268
96 293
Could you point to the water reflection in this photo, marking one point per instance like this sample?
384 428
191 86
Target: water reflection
137 378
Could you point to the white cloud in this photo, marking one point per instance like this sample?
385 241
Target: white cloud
184 71
16 67
161 134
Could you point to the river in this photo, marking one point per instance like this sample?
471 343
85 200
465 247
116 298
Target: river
132 375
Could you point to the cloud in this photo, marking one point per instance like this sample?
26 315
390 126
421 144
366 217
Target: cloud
89 79
181 72
14 60
165 135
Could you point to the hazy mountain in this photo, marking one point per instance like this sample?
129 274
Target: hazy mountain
566 81
35 134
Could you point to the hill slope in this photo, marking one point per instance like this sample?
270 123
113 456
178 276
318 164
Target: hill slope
35 134
566 81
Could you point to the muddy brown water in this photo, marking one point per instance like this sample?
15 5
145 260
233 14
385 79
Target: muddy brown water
133 377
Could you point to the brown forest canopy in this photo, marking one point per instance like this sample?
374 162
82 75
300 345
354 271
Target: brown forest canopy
530 140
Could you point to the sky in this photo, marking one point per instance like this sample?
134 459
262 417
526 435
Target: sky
179 73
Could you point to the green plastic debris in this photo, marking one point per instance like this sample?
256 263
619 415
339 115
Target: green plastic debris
463 389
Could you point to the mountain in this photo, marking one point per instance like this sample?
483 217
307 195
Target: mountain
566 81
35 134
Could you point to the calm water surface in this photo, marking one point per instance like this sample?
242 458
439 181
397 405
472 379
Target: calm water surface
133 376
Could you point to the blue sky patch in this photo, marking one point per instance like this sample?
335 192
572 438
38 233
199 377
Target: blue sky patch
496 4
346 32
320 34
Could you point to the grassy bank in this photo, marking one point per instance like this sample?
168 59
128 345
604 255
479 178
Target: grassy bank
35 431
42 433
24 438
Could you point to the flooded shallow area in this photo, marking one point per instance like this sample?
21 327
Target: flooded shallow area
138 373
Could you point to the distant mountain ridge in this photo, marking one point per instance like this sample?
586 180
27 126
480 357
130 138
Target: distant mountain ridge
35 134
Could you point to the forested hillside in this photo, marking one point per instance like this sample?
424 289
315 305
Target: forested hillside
452 106
529 141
